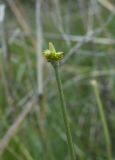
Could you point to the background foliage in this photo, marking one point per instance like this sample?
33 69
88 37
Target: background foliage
85 32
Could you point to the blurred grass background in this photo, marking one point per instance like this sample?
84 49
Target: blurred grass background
31 125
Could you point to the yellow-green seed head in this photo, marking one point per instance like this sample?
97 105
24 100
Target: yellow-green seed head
51 55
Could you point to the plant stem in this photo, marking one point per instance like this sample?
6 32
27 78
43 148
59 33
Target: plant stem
103 119
64 111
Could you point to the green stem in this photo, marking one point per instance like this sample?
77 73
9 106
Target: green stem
64 111
103 119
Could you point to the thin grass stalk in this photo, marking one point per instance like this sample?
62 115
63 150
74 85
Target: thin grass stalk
64 111
39 39
54 57
42 112
103 120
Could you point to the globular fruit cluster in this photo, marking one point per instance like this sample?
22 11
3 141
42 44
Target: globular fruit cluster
52 55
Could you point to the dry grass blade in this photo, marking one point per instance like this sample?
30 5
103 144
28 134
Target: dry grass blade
79 38
39 47
16 125
107 5
20 16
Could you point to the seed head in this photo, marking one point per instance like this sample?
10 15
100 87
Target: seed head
52 55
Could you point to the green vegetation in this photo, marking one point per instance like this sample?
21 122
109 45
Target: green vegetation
31 125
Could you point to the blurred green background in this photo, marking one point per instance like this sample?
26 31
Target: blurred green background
85 32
